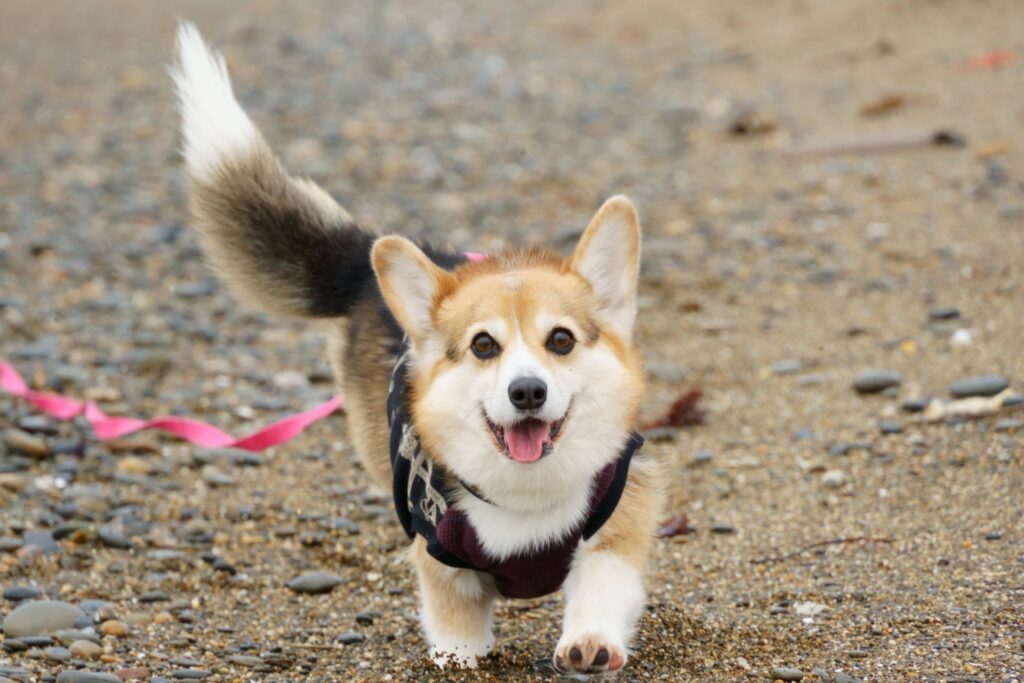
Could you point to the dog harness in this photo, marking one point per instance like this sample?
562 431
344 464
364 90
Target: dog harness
424 491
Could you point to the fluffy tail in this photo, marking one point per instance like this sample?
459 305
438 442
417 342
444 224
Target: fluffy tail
279 241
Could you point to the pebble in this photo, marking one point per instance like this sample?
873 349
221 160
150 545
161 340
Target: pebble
315 583
841 677
154 596
113 627
944 313
722 529
85 649
914 405
245 660
985 385
890 427
139 673
873 381
789 366
833 479
10 543
57 654
23 442
367 616
42 542
112 537
1009 424
19 593
785 673
86 677
42 616
701 457
351 637
190 674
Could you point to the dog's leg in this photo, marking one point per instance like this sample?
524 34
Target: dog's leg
604 592
455 610
604 599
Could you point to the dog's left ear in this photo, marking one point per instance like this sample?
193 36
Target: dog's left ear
608 258
411 284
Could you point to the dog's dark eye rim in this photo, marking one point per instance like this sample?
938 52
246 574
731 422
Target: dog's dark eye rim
561 341
484 346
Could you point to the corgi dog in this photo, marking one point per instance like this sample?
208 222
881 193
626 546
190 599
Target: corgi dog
497 397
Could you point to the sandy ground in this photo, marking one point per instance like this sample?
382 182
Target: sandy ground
771 281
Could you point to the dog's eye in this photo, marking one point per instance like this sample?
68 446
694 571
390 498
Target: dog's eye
561 341
484 346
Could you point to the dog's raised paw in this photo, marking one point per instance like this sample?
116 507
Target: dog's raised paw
589 654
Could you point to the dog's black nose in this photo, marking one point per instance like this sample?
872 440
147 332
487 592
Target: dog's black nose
527 393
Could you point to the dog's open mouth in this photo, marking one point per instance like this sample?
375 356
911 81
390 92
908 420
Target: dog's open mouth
528 440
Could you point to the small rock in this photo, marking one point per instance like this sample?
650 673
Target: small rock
789 366
138 673
84 649
9 544
701 457
944 314
39 617
315 583
86 677
245 660
722 529
890 427
41 542
23 442
19 593
112 537
154 596
915 405
985 385
351 637
367 616
809 609
113 627
841 677
993 536
190 674
873 381
857 654
833 479
785 673
1009 424
57 654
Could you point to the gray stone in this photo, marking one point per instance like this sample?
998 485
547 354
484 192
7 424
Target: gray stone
10 544
57 654
785 673
351 637
190 674
841 677
701 457
890 427
315 583
86 677
915 405
874 380
1009 424
19 593
944 313
789 366
41 542
985 385
39 617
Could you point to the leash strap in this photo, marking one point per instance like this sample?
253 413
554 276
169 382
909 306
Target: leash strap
193 431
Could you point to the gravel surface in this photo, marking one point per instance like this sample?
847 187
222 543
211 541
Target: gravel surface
833 535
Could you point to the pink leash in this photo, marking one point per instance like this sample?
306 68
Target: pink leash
200 433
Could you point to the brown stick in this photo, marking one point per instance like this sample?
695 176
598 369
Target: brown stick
820 544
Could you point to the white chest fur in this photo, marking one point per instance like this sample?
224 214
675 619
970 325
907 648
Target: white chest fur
507 531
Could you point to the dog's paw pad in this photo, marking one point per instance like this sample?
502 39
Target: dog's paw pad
589 654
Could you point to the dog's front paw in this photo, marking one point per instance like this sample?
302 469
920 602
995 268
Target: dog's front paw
461 653
590 653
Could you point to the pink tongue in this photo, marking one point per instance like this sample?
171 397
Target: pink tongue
526 440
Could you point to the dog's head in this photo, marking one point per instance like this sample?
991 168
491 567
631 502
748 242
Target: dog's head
525 376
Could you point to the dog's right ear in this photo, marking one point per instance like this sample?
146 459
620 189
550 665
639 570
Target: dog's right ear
411 284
